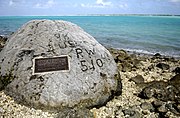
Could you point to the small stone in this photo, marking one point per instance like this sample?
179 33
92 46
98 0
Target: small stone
1 110
163 66
126 67
138 79
128 112
136 63
158 103
147 106
122 55
177 70
151 67
145 112
178 106
162 108
131 113
169 59
146 93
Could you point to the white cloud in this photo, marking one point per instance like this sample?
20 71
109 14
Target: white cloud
48 4
15 2
98 4
103 3
91 6
11 3
123 6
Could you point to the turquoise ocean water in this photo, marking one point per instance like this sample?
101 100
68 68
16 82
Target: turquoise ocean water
142 34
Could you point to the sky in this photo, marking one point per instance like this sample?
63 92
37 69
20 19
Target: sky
84 7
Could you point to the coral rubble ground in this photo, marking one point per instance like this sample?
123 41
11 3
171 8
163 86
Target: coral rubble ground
150 89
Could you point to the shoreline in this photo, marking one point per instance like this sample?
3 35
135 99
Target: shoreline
142 53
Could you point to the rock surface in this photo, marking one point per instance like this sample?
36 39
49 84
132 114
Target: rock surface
92 77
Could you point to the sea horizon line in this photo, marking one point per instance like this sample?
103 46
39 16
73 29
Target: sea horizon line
100 15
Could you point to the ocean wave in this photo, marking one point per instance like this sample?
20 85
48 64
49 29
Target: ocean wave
152 52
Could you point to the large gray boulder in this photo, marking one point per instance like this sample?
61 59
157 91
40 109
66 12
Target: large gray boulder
55 65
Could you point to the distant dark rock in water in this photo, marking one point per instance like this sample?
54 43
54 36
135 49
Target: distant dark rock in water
157 55
55 65
163 66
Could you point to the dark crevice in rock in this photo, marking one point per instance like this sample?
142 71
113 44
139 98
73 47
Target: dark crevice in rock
3 40
5 80
119 85
24 52
32 77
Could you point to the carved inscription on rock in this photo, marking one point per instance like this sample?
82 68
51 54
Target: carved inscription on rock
85 65
42 65
86 57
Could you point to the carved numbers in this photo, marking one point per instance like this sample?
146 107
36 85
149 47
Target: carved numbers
86 65
82 54
99 62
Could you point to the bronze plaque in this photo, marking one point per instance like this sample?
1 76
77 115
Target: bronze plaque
42 65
